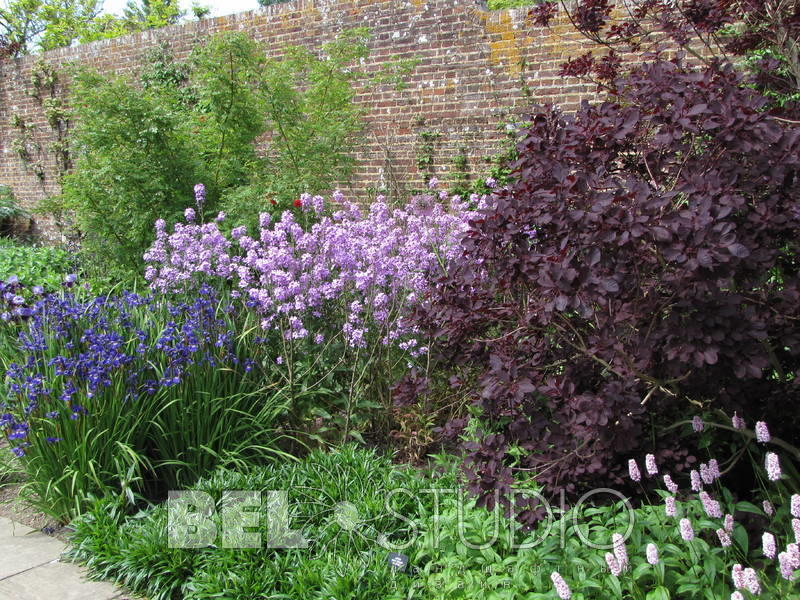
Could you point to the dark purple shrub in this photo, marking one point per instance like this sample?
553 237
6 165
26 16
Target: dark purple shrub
643 263
706 29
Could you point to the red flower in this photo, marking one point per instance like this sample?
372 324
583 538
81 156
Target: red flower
298 203
272 201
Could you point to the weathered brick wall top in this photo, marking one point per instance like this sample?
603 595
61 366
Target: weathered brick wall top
477 69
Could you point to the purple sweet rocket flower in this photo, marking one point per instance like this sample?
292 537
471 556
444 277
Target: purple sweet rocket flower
796 530
737 595
697 424
200 195
562 589
433 183
762 433
189 215
491 182
737 421
671 485
687 533
613 564
795 505
652 554
620 553
769 510
724 538
751 581
650 464
768 544
288 271
773 466
671 509
633 470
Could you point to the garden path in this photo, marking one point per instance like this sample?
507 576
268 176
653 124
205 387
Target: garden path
31 569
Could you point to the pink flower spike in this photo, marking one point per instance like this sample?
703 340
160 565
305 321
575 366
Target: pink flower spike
705 474
751 581
737 574
724 538
562 589
795 510
697 424
794 554
613 565
620 553
652 554
762 433
773 466
710 506
737 596
687 533
697 483
768 544
768 509
737 421
796 529
786 565
713 468
671 485
633 470
650 464
670 506
728 523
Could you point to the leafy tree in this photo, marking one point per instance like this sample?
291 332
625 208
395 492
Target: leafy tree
45 24
29 25
504 4
151 14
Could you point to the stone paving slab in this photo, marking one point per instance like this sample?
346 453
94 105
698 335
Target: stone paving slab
56 580
30 569
22 548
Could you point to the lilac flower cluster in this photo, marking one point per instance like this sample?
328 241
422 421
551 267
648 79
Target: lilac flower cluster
355 268
191 252
74 350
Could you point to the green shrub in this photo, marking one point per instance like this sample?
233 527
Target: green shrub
455 550
35 266
140 149
344 559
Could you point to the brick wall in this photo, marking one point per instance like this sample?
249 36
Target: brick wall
476 70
